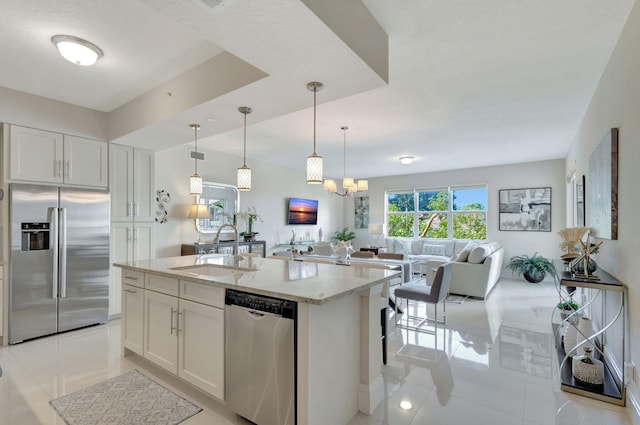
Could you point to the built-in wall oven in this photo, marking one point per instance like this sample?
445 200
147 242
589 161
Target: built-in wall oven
260 358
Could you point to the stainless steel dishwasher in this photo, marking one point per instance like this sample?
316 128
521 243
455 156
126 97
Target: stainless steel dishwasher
260 358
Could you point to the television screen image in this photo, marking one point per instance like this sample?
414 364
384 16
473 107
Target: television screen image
303 211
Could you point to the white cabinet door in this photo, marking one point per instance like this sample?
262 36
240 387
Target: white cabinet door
143 191
36 155
143 241
201 347
132 318
161 330
85 162
121 182
121 250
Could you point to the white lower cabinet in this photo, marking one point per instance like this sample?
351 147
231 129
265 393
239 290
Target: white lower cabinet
176 329
200 347
132 318
161 330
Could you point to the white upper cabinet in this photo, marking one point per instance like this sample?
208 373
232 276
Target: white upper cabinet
47 157
85 162
132 193
36 155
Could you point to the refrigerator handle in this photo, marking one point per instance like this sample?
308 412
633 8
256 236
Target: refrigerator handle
53 223
63 252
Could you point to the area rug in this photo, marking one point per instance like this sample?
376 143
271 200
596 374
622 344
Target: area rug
130 398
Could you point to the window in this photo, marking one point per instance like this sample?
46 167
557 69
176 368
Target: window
450 213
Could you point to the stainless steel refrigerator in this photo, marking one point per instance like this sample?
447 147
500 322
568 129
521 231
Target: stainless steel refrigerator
59 259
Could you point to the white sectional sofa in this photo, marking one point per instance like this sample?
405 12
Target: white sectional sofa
477 263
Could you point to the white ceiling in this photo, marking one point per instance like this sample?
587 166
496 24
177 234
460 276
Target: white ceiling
469 83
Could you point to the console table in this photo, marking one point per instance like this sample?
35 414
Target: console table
613 347
254 247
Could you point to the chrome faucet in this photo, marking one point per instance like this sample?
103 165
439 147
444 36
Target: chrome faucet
236 257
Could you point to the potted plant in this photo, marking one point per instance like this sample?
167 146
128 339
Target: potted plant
533 268
251 216
567 308
344 235
343 245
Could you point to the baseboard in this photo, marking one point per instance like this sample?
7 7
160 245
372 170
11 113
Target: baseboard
633 407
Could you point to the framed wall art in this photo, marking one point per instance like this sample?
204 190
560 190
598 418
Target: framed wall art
580 211
525 209
361 212
602 201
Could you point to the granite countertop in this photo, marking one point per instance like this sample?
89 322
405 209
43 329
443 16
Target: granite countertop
307 282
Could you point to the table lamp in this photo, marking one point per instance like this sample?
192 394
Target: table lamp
199 211
376 229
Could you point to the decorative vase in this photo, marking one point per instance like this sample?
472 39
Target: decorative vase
534 277
570 338
592 266
587 370
585 333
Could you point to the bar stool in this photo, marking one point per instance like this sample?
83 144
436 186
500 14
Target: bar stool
434 294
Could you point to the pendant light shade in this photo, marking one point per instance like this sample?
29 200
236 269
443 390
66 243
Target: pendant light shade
244 172
195 181
314 161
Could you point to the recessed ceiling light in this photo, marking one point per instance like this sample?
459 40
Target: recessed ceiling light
406 160
77 50
406 405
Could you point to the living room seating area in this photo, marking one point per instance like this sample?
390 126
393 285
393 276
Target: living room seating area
476 268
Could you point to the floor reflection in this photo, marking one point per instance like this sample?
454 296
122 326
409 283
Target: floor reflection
436 361
526 351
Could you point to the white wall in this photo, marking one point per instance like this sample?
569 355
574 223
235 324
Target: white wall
33 111
515 176
271 188
616 103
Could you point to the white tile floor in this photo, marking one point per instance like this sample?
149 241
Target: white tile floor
493 364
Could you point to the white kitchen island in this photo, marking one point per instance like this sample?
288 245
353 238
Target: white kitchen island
339 352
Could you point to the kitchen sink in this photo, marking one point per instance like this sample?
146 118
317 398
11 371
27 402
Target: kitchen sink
210 269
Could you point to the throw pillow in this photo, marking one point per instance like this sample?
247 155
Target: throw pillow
479 253
403 246
390 244
416 246
464 254
434 249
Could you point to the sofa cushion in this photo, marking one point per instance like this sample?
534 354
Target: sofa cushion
416 246
430 249
464 254
479 253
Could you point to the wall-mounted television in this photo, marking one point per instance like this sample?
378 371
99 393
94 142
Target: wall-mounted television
302 211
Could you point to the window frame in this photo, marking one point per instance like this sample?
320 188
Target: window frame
450 213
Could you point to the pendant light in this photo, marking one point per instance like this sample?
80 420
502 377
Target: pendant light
195 181
244 172
314 161
349 185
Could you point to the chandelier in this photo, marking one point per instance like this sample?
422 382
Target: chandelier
349 185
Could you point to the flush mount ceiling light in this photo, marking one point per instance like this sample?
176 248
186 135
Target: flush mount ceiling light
406 160
77 50
349 185
195 181
314 161
244 172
